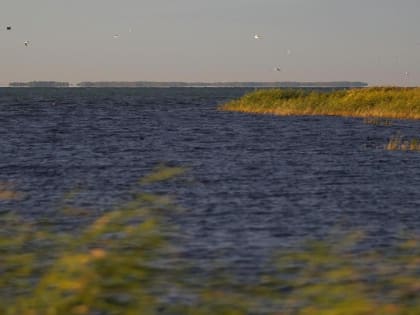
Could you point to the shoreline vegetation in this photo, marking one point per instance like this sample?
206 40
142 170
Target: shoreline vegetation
379 102
398 143
136 84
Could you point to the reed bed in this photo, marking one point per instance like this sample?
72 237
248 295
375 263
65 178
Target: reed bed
379 102
397 143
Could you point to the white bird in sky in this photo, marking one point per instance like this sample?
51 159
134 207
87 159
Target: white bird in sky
289 52
116 35
257 36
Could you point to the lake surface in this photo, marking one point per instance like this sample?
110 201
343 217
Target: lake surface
255 183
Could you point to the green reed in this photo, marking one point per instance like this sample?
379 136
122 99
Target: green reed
130 261
398 143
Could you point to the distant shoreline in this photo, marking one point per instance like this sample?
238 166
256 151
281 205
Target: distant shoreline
152 84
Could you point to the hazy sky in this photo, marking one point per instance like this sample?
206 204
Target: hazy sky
376 41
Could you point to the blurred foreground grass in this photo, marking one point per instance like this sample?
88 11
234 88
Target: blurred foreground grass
129 261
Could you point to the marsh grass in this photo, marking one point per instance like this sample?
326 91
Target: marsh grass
129 261
378 102
398 143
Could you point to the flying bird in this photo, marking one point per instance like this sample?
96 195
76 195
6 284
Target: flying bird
26 43
257 36
9 28
278 69
116 35
289 52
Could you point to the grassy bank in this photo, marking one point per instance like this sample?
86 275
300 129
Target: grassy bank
385 102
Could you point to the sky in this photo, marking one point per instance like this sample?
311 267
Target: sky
375 41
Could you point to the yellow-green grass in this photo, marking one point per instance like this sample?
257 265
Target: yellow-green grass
383 102
129 261
397 143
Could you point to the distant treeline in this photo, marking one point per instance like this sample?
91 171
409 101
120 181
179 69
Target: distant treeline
220 84
188 84
39 84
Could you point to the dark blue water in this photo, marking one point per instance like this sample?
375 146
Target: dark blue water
254 183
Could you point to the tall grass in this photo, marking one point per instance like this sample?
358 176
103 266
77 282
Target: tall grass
384 102
129 261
